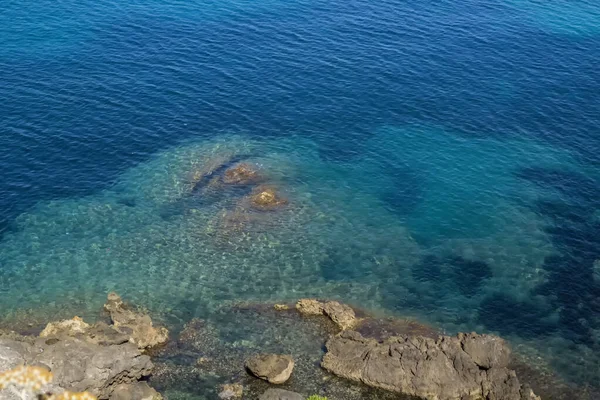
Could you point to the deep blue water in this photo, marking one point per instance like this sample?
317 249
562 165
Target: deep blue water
442 159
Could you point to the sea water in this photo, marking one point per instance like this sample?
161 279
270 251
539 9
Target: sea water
440 160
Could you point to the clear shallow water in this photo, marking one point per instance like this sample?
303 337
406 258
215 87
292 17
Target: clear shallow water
441 160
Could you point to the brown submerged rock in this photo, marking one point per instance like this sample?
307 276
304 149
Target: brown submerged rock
231 391
467 366
137 325
280 394
267 198
242 174
273 368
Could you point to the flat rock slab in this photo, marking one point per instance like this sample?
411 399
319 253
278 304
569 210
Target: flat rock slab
467 366
280 394
273 368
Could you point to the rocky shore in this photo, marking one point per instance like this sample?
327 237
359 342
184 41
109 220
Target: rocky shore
290 352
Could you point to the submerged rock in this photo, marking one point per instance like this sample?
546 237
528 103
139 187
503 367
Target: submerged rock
273 368
267 198
341 314
231 391
468 366
137 325
241 174
280 394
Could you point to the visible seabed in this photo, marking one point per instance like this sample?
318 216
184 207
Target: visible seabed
425 224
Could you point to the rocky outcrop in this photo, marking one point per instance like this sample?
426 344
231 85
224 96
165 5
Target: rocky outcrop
136 325
273 368
105 360
341 314
68 327
78 365
280 394
468 366
127 325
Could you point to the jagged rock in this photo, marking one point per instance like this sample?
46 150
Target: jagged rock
309 307
266 198
280 394
138 326
231 391
273 368
341 314
105 335
450 368
135 391
68 327
485 350
241 174
78 365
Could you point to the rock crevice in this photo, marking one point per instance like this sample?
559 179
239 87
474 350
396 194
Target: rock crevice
467 366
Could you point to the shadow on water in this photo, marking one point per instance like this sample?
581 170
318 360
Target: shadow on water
467 275
571 286
572 184
5 226
208 189
503 313
344 146
405 193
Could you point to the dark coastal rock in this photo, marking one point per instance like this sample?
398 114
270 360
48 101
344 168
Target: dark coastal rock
280 394
231 391
104 360
468 366
136 325
341 314
78 365
273 368
105 335
208 354
135 391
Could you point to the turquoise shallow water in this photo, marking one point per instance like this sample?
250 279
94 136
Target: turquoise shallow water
440 162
